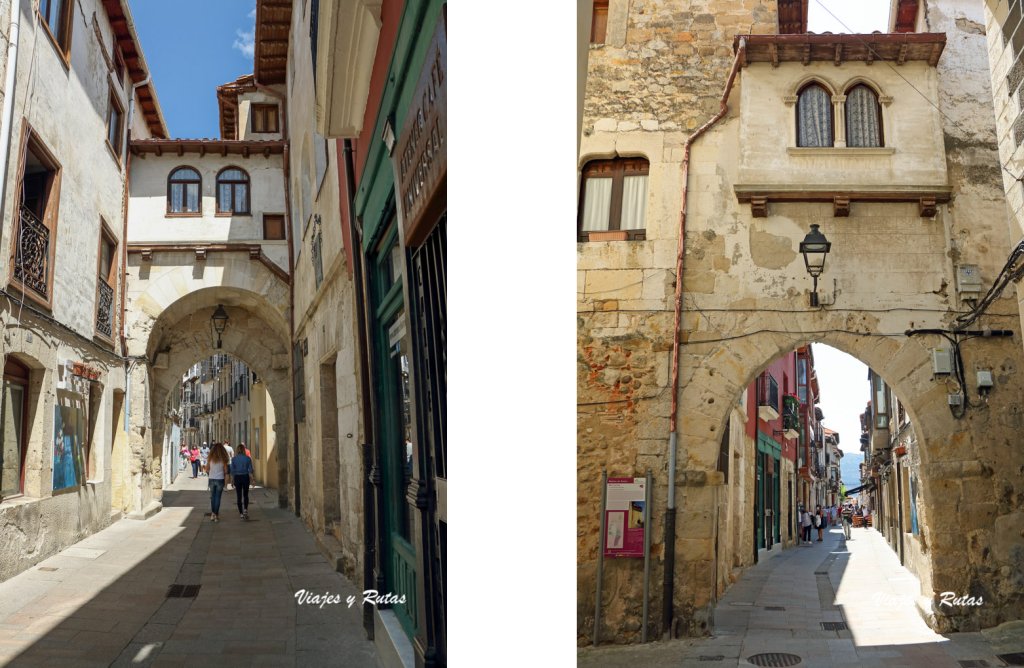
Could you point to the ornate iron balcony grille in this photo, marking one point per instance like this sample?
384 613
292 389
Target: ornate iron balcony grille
32 265
105 310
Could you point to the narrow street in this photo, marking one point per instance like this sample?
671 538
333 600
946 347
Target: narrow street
105 601
779 605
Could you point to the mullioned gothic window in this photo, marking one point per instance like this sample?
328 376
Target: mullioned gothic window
814 117
863 118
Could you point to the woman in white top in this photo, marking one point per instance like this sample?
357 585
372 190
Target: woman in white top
216 468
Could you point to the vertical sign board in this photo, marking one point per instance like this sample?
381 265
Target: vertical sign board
624 517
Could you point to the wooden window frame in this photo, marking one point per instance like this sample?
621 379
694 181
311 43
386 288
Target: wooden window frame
171 181
878 110
284 232
832 114
618 168
66 25
107 235
119 66
248 193
599 22
115 103
16 372
30 141
261 112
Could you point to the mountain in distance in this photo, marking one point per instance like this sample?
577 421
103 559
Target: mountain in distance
849 468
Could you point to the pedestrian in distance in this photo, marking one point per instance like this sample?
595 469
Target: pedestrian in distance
204 453
241 469
805 524
819 521
217 468
183 456
193 456
847 520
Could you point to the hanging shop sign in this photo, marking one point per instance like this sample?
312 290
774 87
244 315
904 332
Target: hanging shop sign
422 149
624 517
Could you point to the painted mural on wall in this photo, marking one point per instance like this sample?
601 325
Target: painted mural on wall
69 429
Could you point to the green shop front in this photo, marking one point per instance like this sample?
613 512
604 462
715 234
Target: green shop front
767 493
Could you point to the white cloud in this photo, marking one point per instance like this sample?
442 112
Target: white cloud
245 42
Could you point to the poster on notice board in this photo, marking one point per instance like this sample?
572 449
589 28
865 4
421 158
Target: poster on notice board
624 517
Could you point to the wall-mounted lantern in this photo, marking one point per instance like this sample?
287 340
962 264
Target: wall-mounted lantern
814 248
219 322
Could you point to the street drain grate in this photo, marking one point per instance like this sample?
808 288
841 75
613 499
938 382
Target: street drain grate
973 663
774 659
833 626
717 657
183 591
775 608
1015 659
48 569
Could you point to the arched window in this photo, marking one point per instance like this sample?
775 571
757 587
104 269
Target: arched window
232 191
614 197
814 117
183 191
863 117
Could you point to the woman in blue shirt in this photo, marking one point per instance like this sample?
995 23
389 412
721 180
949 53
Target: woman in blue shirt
241 469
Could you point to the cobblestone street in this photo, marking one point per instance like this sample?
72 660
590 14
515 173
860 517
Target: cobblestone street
104 601
778 606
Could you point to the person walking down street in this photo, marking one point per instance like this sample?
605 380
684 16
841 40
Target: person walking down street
241 469
819 521
183 457
204 453
217 469
805 524
193 456
847 520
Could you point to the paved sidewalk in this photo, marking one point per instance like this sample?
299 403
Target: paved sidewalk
103 602
859 582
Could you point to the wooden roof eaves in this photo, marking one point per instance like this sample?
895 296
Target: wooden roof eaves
120 17
876 41
264 24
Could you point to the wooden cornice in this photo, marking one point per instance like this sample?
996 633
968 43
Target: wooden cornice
202 251
760 196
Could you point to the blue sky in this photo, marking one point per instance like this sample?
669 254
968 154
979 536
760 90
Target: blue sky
193 46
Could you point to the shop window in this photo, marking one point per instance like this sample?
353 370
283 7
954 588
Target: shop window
614 197
232 191
814 116
863 118
183 191
13 405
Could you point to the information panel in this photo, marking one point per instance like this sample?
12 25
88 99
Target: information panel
624 517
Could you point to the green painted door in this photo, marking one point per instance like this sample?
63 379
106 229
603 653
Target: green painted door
393 396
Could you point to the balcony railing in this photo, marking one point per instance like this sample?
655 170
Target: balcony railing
32 263
767 398
105 310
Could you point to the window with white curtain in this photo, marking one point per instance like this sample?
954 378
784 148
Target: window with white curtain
863 117
614 197
814 117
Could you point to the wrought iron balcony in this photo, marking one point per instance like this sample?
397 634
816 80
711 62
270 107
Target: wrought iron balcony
32 262
767 398
105 310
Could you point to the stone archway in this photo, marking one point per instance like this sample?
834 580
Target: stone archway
968 468
172 300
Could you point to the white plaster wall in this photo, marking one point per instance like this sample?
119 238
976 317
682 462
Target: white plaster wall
245 101
148 221
911 126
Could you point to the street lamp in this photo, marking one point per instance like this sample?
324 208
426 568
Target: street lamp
219 321
814 248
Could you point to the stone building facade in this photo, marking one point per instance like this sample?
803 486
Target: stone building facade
80 82
905 218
